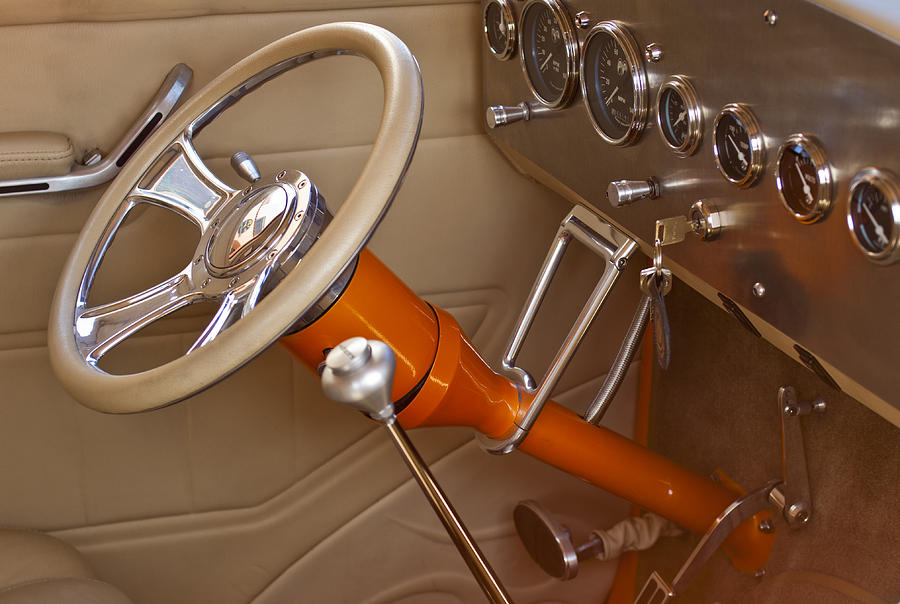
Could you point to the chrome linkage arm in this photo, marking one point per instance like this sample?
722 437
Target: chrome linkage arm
102 171
615 248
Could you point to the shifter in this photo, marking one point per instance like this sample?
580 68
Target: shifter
359 373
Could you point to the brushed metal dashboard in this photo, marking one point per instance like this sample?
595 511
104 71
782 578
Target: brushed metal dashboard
813 71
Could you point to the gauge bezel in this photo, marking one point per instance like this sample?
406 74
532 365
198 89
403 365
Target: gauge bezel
511 29
682 86
746 117
571 45
635 60
887 184
824 194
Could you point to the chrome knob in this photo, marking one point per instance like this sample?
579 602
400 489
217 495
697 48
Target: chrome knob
245 167
359 373
623 192
582 19
501 115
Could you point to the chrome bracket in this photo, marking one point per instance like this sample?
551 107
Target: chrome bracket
96 172
615 248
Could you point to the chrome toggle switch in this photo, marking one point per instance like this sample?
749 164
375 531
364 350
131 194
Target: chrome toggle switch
624 192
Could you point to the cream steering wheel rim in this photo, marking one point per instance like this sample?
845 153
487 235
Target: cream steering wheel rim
338 245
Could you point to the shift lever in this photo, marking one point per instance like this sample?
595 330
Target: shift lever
359 373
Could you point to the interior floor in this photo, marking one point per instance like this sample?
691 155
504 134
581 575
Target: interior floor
716 408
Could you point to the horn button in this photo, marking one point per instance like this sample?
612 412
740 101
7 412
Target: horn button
250 229
260 234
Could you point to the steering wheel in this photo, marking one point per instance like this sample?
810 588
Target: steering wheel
246 236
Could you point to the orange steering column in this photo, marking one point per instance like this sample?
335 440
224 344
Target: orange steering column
444 382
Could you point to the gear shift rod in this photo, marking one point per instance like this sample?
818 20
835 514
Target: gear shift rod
359 373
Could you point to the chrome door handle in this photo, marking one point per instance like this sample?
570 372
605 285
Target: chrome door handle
86 176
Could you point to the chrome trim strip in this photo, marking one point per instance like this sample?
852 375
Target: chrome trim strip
159 108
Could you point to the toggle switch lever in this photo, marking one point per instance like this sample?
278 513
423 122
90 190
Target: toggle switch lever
359 373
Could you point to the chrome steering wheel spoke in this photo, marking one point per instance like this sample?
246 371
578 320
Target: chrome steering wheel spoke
180 181
235 304
100 328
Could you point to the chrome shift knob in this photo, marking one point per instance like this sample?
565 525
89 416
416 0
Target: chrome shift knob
245 167
359 373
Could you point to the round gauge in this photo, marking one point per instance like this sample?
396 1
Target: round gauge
873 215
614 83
738 145
678 115
549 52
803 178
499 28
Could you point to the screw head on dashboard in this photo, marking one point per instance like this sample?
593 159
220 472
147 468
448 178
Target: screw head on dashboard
759 290
770 16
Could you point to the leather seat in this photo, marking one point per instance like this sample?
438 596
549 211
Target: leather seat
36 568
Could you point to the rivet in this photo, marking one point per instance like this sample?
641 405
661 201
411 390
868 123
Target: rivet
298 215
204 284
281 175
759 574
198 260
272 254
233 282
766 526
248 189
759 290
770 17
302 184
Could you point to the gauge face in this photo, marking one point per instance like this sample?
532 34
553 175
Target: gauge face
678 115
873 215
803 178
738 145
673 112
499 28
548 52
614 83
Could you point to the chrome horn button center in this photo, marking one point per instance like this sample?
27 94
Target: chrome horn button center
254 224
258 236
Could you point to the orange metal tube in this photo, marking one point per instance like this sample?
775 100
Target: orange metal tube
459 389
378 306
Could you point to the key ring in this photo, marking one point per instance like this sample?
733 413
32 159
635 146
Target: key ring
657 261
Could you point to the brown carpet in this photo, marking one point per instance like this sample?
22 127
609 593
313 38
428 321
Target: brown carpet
716 407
